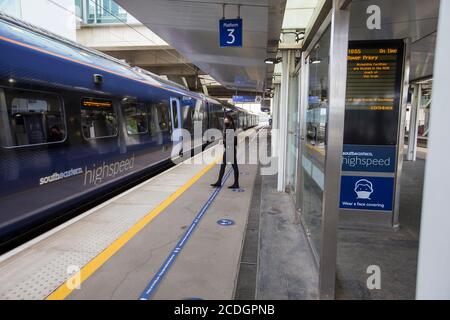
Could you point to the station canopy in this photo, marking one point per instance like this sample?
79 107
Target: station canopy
192 28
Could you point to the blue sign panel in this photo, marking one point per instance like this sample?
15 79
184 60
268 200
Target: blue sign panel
244 98
230 32
225 222
367 193
369 158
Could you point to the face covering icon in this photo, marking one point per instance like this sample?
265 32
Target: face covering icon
363 189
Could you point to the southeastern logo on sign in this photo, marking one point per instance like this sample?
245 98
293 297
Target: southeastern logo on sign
367 193
369 158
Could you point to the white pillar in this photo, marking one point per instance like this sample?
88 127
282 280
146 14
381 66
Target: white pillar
433 274
414 123
288 60
275 118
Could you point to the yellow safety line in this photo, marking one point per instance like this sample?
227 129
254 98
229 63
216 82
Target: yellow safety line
321 151
65 289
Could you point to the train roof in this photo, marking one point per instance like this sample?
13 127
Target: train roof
12 28
230 107
167 82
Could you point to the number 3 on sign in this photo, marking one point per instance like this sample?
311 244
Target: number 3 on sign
231 36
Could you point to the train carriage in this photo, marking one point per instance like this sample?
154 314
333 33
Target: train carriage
75 124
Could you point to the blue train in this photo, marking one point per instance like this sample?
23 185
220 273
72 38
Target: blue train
76 124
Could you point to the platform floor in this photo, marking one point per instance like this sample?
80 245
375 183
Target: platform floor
121 245
116 249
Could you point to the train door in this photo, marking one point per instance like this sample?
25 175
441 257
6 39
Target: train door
175 116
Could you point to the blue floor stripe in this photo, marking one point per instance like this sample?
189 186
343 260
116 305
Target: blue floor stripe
154 283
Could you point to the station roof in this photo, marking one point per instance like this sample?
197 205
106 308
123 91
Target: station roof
191 27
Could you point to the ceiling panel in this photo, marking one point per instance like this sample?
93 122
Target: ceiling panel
191 27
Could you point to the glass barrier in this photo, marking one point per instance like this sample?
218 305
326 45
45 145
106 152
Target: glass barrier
314 145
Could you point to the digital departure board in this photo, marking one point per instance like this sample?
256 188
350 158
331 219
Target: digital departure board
372 111
374 79
91 103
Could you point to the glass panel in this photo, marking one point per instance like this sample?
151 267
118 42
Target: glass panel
79 8
29 118
135 118
314 145
11 7
98 118
105 11
424 113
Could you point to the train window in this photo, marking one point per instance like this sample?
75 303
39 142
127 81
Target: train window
30 118
159 118
216 116
135 117
188 114
98 118
175 113
203 115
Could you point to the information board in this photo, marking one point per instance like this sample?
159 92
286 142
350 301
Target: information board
367 193
374 80
372 117
249 99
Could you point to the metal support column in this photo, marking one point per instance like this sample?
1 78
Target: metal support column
302 102
414 123
288 60
433 277
401 132
337 87
275 119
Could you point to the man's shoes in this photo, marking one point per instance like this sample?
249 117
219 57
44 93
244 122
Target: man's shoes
215 185
234 186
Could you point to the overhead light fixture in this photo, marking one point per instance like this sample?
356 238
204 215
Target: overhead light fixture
299 36
315 61
272 60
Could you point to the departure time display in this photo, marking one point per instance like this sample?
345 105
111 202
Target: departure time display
96 103
374 70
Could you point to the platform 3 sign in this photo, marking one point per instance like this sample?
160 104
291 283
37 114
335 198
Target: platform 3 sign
367 193
230 31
